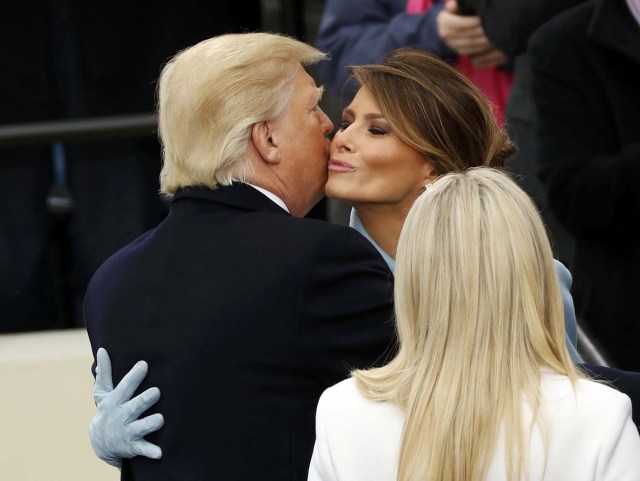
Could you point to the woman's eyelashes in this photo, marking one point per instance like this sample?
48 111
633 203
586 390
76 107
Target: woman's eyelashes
373 130
377 131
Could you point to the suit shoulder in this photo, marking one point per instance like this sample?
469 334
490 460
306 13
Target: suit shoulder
121 257
326 238
322 228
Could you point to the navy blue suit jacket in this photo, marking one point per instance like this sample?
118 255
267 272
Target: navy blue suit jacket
245 315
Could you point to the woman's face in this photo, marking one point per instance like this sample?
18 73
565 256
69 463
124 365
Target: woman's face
369 163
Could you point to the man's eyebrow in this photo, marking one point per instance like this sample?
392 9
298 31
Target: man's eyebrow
370 116
320 92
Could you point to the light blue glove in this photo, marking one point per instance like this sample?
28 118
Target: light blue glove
115 431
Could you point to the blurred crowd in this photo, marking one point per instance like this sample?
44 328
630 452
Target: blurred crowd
68 59
563 76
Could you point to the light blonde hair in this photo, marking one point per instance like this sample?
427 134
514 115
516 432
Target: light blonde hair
478 314
211 94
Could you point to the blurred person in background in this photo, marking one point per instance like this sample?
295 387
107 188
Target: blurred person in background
509 25
586 78
483 38
68 59
356 32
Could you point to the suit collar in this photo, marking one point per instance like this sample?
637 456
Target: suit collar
614 25
236 195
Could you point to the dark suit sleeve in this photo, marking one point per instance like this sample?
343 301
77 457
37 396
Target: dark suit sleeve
590 181
357 32
344 311
508 24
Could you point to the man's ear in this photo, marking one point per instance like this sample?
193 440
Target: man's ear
263 140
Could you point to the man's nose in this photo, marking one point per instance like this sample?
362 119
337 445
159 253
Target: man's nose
327 125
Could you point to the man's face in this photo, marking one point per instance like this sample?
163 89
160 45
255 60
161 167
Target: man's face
303 128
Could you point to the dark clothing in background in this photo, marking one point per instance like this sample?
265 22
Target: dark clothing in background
509 24
65 59
245 315
357 32
586 65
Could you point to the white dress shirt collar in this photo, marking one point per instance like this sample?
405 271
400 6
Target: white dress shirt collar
277 200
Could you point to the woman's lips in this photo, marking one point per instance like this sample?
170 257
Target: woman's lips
339 166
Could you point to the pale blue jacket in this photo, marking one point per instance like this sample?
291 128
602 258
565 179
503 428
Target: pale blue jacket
564 277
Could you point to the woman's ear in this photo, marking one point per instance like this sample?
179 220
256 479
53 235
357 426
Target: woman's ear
263 141
428 172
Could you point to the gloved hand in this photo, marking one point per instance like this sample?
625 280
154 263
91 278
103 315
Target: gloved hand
115 431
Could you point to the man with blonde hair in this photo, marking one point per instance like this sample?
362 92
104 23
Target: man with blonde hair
234 289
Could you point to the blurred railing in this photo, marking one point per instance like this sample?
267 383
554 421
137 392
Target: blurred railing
123 126
590 351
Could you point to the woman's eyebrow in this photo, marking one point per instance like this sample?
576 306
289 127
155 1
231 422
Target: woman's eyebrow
369 116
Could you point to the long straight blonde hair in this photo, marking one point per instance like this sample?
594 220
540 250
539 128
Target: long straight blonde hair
478 314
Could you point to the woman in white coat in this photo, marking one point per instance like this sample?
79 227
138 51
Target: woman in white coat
482 386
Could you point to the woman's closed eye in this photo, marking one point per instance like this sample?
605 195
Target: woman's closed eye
373 130
377 131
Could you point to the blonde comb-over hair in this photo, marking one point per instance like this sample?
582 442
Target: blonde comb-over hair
211 94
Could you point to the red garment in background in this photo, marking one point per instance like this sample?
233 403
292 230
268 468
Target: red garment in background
418 6
494 82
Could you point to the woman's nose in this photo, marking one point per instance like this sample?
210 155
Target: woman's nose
341 141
